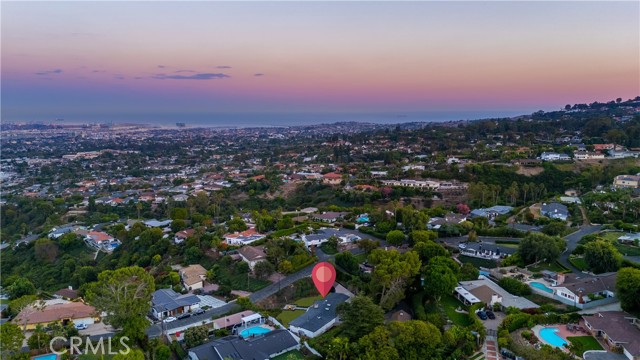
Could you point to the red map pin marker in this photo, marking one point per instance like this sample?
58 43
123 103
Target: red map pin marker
323 275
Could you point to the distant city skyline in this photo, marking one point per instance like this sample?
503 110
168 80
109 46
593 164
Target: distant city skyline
133 60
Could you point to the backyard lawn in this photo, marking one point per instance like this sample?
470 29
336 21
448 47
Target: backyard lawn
554 266
624 249
287 316
290 355
477 262
307 301
578 262
450 304
584 343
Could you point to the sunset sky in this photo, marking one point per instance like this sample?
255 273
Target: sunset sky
98 59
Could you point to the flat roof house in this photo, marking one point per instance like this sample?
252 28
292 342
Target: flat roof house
193 276
166 302
320 317
243 237
266 346
618 329
490 293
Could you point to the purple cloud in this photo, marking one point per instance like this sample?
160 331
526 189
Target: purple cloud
258 74
200 76
49 72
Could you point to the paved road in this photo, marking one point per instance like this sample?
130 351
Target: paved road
572 243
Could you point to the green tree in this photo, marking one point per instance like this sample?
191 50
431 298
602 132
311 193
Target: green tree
395 237
339 349
428 250
236 224
418 236
263 269
162 352
391 273
348 262
195 336
601 256
11 338
133 354
125 296
368 245
439 279
360 316
628 289
285 267
537 247
39 339
20 287
468 272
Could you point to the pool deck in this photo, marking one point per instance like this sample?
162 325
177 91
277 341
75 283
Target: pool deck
562 332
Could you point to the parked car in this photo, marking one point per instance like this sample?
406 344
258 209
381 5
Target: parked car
462 246
482 315
199 312
169 319
184 316
491 315
81 326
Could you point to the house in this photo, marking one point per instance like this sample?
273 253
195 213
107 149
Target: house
449 219
252 255
329 216
66 294
332 178
553 156
101 240
492 212
183 235
180 197
555 211
57 232
629 238
240 238
420 184
577 291
486 291
159 224
323 235
64 312
319 318
627 181
585 155
193 277
234 347
166 302
601 147
618 329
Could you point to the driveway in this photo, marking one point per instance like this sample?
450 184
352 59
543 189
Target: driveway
97 329
572 243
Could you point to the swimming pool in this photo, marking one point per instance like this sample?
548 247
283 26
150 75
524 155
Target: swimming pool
256 330
549 335
541 286
46 357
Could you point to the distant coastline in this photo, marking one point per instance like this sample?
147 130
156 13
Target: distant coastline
248 120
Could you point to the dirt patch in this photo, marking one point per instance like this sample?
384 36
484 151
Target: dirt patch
529 171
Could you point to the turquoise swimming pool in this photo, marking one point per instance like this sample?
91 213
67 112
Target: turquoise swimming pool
541 286
256 330
549 335
46 357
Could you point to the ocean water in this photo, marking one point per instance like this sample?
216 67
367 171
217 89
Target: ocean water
238 119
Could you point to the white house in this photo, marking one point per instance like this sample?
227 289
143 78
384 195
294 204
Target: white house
193 276
319 318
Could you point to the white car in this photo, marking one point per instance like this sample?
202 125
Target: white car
462 246
169 319
81 326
